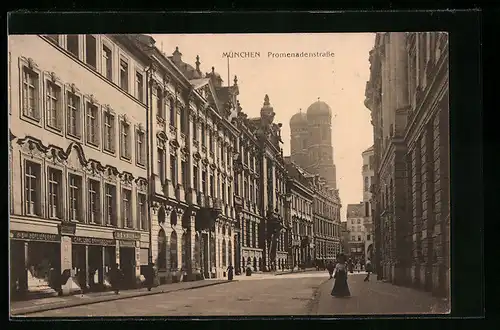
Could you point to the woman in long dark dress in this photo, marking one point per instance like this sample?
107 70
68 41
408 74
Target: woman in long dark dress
340 288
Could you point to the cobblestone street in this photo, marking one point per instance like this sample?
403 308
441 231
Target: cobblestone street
262 294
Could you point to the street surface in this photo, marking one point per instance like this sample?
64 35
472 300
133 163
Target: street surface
262 294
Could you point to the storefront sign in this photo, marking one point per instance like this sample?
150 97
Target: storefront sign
67 228
93 241
125 235
25 235
127 244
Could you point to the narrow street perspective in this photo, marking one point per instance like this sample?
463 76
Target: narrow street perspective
148 179
289 295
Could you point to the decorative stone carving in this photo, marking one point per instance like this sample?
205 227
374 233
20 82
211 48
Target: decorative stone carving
205 161
31 63
111 173
94 167
196 156
174 144
168 210
141 184
127 178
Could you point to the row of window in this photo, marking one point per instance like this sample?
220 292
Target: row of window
326 228
71 107
359 237
88 49
87 200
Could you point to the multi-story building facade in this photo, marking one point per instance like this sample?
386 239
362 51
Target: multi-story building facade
326 219
261 194
368 173
357 231
77 160
408 98
192 143
301 211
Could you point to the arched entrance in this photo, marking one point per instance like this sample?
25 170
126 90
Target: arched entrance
173 252
161 262
184 251
197 252
224 253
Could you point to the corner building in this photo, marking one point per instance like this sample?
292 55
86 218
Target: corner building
407 95
78 179
261 200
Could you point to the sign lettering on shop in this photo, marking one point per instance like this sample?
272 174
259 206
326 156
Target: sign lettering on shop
35 236
92 240
125 235
127 244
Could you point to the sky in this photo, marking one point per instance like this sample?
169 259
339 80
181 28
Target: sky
295 83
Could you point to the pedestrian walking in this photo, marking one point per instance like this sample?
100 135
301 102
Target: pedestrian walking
116 278
331 269
340 287
230 271
369 269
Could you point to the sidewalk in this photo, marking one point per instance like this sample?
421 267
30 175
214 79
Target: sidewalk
285 272
20 308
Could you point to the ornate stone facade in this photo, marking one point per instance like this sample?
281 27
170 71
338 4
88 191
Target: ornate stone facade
408 98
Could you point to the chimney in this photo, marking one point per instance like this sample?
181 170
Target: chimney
176 55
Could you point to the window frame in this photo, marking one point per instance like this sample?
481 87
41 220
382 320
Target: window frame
107 110
140 148
139 71
39 208
52 79
29 65
100 201
126 140
71 88
80 211
60 203
115 205
109 69
78 43
90 100
126 60
97 43
142 223
129 221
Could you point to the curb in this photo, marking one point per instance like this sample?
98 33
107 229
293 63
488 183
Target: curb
295 272
38 309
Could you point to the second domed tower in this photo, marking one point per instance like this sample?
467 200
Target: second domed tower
311 141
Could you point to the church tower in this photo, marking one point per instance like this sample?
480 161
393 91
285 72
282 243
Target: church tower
320 149
299 143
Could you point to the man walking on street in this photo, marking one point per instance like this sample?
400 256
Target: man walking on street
369 269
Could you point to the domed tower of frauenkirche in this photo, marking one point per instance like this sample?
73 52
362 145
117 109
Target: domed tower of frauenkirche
311 141
299 139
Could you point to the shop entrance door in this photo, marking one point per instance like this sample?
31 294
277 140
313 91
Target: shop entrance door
18 271
79 264
96 268
127 265
109 262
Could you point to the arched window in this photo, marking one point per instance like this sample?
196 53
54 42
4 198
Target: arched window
173 218
162 250
173 252
161 215
224 253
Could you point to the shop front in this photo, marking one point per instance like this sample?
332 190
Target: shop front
129 254
92 259
35 261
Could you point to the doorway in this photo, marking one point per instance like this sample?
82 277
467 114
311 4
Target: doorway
96 268
127 265
79 265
